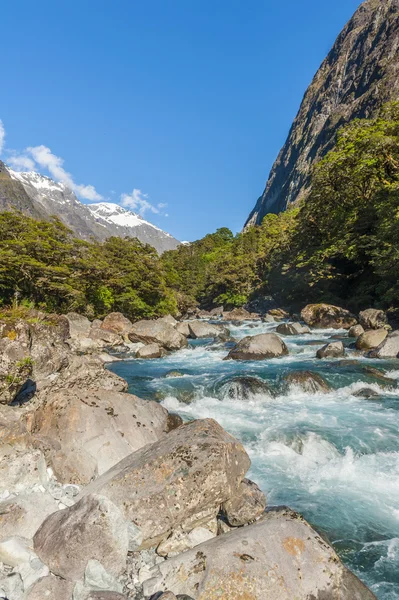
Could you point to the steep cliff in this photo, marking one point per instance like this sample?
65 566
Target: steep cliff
360 73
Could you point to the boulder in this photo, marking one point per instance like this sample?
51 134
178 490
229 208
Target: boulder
292 329
383 380
258 347
217 311
15 551
243 387
278 558
240 314
373 318
183 328
355 331
21 469
268 319
105 338
150 351
168 319
93 430
204 314
308 381
117 323
195 468
157 332
23 514
389 347
79 325
93 528
201 329
278 313
371 339
331 350
326 316
50 588
247 506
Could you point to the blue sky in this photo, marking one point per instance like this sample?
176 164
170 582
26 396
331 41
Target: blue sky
179 107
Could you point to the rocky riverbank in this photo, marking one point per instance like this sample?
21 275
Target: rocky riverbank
105 496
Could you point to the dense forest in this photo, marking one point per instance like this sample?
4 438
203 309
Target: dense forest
340 245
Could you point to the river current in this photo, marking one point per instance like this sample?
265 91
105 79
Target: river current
334 457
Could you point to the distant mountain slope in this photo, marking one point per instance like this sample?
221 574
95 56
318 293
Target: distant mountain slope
359 75
41 197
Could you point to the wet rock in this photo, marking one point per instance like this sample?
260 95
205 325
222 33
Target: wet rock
173 374
243 388
150 351
194 468
94 528
117 323
373 318
50 588
308 381
389 347
379 375
200 330
183 328
371 339
366 393
355 331
258 347
331 350
157 332
247 506
278 558
92 430
325 316
292 329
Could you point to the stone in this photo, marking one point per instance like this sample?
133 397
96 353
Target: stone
95 429
31 571
79 325
331 350
268 319
167 596
389 347
105 338
195 468
15 551
21 470
240 314
308 381
258 347
173 374
355 331
326 316
12 587
157 332
201 329
183 328
366 393
117 323
105 595
169 319
292 329
179 541
97 578
247 506
217 311
373 318
371 339
243 388
150 351
278 313
383 380
50 588
93 528
279 557
23 514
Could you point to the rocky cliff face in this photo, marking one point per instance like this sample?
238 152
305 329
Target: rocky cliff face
359 75
40 197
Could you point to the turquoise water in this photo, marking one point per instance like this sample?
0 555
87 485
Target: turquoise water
333 457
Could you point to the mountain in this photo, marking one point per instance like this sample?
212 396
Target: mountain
40 197
360 73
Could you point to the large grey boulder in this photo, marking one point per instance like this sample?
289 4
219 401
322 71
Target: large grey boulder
157 332
79 325
247 506
389 347
92 430
371 339
292 329
240 314
279 558
201 329
258 347
331 350
195 468
355 331
150 351
183 328
372 318
326 316
116 322
93 528
21 468
23 514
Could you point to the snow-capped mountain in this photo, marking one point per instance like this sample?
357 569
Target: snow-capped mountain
41 197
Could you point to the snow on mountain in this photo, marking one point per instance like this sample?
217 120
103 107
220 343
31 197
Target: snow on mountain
100 220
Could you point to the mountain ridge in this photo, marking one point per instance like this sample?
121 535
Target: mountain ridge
360 74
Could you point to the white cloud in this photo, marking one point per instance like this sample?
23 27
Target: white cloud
2 136
138 202
21 163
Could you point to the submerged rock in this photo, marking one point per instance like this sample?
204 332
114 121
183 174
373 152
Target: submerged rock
278 558
331 350
371 339
366 393
325 316
243 388
308 381
373 318
258 347
196 467
292 329
379 375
